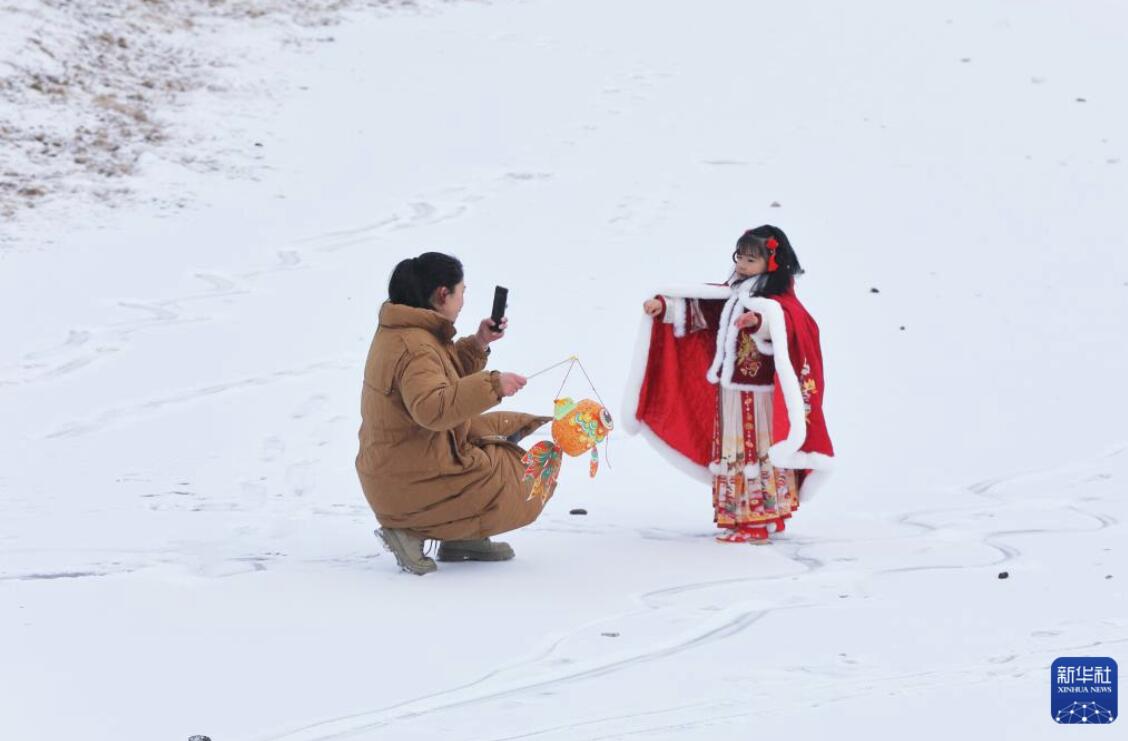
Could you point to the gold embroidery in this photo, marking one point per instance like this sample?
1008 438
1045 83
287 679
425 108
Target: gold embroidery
809 388
748 356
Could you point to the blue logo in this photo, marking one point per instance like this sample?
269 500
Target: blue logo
1083 690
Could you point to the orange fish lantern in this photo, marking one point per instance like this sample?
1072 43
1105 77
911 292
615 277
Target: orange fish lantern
576 429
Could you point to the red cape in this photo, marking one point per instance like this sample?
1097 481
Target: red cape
672 397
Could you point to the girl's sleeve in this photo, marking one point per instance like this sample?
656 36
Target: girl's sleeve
684 313
761 335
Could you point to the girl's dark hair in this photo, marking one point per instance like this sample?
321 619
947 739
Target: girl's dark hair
415 279
754 243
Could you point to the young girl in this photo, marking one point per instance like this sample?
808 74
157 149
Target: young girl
728 384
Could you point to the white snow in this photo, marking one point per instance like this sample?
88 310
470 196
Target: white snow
184 548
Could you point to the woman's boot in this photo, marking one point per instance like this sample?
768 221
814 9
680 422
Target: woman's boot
482 549
408 550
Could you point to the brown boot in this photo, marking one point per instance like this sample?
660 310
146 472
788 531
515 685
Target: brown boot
474 550
408 550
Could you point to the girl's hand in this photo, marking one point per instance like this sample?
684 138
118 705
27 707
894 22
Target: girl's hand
511 383
486 333
749 320
653 307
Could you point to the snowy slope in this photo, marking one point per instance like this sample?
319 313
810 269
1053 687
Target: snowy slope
183 544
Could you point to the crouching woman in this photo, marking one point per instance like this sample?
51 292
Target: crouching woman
433 464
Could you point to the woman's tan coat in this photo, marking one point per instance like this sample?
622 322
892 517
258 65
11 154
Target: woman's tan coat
430 460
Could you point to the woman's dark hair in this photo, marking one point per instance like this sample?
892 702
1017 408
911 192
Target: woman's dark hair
415 279
754 243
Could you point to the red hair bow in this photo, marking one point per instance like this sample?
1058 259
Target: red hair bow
772 244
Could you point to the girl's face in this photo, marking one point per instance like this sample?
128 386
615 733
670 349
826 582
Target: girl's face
747 266
448 302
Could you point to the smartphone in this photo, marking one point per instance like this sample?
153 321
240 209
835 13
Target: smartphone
501 298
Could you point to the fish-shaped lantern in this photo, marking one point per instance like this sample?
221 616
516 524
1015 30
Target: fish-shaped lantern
577 428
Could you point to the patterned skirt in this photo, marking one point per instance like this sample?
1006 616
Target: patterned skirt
747 489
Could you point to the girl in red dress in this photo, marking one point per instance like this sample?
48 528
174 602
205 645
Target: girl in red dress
728 383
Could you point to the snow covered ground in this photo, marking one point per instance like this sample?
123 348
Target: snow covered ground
184 547
88 89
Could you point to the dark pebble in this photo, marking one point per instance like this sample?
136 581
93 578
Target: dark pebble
199 738
775 204
610 635
578 511
902 327
258 144
1109 576
1004 574
874 290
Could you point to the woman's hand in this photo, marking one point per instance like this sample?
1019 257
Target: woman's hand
653 307
749 320
486 333
511 383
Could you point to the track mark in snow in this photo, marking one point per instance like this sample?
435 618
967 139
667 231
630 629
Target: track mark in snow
360 723
113 416
528 176
219 284
75 338
310 406
53 575
158 311
419 214
349 233
425 214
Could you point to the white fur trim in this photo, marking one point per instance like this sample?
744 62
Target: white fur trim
698 291
751 470
723 350
675 314
763 339
810 461
724 359
631 424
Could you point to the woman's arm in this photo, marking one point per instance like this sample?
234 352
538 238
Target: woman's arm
469 356
434 402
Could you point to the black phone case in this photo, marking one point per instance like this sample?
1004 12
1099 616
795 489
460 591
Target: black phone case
501 298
